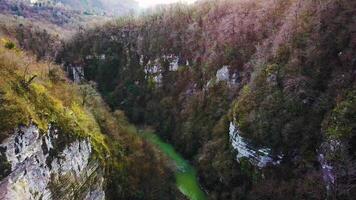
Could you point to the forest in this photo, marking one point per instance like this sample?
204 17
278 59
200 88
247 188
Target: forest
283 72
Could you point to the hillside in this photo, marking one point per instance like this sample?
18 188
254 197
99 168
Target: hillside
57 21
278 75
60 140
111 7
258 95
87 7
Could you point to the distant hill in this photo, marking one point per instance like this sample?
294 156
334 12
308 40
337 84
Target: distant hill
89 7
111 7
53 18
122 6
59 16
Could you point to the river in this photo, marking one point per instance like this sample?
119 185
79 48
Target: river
185 174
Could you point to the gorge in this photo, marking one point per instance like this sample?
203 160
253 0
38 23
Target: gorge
185 175
240 100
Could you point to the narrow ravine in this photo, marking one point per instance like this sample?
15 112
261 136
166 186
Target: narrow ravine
185 174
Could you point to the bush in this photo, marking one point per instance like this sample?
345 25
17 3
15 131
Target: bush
9 45
342 122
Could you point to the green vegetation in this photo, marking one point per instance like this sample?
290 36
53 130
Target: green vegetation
342 124
5 166
27 99
288 69
291 88
39 93
185 174
9 45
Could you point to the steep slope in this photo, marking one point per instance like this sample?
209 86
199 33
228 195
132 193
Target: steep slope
278 75
58 140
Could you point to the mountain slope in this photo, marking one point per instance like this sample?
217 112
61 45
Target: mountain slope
278 74
59 140
112 7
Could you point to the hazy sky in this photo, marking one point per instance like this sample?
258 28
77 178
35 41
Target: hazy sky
149 3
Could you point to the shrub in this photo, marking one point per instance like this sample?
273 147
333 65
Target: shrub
342 122
9 45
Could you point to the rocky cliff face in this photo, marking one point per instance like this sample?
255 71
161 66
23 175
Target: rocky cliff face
260 157
48 166
338 168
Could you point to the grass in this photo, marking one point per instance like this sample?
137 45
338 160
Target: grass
49 99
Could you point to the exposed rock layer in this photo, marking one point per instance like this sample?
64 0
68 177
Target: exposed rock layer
49 166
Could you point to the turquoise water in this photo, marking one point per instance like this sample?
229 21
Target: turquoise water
186 176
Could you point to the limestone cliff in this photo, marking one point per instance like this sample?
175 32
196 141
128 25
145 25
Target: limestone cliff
49 166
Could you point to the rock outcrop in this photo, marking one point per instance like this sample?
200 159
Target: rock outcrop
49 166
260 157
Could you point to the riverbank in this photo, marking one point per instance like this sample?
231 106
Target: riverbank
185 174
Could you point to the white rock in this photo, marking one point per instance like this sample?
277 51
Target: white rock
260 157
31 174
78 74
223 74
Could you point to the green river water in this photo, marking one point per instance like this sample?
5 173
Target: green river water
186 176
